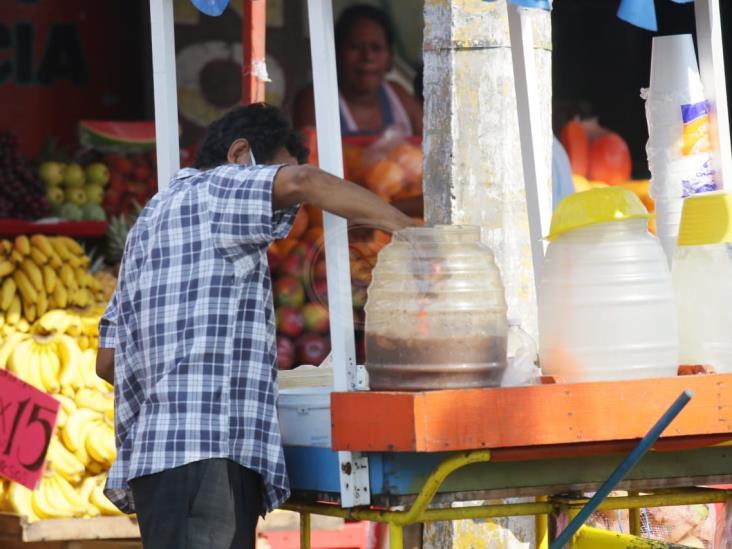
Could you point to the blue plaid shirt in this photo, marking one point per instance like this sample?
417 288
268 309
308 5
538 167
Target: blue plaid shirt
193 329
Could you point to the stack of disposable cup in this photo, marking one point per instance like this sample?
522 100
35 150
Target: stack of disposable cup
678 148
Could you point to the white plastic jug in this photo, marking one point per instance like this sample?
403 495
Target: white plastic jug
606 308
702 278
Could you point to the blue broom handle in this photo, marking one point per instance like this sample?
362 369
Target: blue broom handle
627 464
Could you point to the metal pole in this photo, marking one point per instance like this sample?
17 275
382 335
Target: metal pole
353 468
254 32
627 464
164 90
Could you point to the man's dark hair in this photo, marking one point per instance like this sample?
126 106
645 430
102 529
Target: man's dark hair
359 12
265 127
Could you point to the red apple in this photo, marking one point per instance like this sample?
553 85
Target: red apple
316 318
117 182
118 164
285 353
289 321
311 349
289 291
292 265
141 172
318 291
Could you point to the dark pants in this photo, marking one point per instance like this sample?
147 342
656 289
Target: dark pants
209 504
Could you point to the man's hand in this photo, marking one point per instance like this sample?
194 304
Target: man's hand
297 184
105 364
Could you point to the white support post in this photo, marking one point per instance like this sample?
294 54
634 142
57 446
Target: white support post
165 91
353 467
711 68
538 200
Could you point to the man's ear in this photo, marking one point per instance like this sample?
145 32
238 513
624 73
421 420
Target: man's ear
238 152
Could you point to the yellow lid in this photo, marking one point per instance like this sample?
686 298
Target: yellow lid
706 218
601 205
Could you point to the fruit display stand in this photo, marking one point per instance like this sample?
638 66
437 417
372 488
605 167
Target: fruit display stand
92 533
75 229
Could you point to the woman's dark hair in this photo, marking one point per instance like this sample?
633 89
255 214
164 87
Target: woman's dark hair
359 12
265 127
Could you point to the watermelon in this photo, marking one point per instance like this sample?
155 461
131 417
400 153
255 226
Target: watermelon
115 136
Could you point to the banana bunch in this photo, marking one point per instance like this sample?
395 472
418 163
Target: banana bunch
41 273
89 435
49 362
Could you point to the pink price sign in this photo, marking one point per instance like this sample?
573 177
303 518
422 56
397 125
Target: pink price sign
27 419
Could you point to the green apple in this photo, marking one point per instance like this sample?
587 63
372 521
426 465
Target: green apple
94 193
97 174
55 195
74 176
76 196
52 173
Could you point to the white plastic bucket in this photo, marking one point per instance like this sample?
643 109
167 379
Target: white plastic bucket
304 415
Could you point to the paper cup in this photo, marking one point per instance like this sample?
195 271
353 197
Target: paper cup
674 68
668 219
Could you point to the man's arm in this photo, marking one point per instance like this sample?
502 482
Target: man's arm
105 364
297 184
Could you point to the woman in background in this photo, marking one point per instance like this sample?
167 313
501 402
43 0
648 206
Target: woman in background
364 41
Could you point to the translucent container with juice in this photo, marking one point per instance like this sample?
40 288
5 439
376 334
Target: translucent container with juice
436 312
702 279
606 309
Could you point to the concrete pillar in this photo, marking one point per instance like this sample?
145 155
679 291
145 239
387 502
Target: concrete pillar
473 170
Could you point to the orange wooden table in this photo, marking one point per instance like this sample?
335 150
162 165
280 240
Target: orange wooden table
538 422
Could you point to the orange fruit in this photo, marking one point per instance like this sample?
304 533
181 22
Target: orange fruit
300 225
410 159
384 178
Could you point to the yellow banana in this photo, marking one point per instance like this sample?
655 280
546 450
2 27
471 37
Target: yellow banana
77 427
20 500
72 245
60 295
64 462
25 287
80 277
8 346
16 257
67 276
67 404
12 315
22 325
6 246
100 443
6 267
93 399
29 311
22 244
41 303
7 292
101 502
54 260
48 366
60 248
71 361
96 468
48 501
49 279
38 257
70 495
41 242
85 490
55 321
33 273
83 342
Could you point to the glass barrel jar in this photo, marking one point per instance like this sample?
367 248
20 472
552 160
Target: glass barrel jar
436 312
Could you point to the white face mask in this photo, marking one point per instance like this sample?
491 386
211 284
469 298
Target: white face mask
252 162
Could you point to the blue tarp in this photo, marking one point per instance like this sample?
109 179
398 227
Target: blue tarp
641 13
211 7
